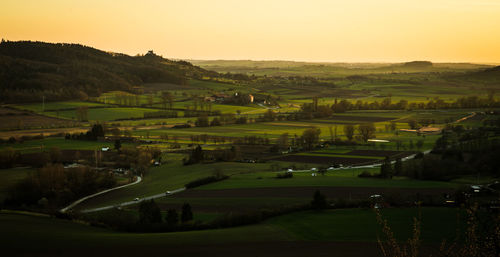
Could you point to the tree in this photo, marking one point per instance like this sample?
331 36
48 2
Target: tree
172 217
349 132
398 167
55 154
310 137
143 162
386 168
97 131
150 99
367 131
393 125
149 212
82 113
283 143
167 97
215 122
319 201
413 124
7 157
187 214
118 144
202 121
420 144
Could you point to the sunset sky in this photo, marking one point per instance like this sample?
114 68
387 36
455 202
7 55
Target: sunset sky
306 30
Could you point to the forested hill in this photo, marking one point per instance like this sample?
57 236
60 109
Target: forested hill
29 70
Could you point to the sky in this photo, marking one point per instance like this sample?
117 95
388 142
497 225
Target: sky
300 30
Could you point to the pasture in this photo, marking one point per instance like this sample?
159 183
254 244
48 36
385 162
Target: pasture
346 232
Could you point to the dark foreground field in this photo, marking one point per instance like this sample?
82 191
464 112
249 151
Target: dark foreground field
348 232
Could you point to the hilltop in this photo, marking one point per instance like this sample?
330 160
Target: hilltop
29 70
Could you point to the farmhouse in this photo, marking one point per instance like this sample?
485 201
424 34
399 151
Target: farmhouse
220 97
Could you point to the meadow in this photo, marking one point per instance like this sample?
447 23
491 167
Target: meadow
350 231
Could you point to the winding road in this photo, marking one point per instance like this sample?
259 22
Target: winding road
75 203
133 202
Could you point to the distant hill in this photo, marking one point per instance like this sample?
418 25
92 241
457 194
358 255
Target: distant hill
418 64
29 70
487 76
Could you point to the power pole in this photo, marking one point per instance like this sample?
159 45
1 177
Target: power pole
43 103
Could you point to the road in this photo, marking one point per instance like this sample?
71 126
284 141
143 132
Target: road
409 157
75 203
133 202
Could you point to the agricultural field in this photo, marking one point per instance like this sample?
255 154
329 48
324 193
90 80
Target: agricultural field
348 232
12 119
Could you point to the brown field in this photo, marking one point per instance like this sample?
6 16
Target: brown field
325 160
380 153
11 119
45 132
361 118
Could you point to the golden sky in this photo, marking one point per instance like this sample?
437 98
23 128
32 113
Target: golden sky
302 30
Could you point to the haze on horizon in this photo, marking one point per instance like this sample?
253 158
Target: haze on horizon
313 30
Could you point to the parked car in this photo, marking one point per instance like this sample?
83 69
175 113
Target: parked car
136 199
168 192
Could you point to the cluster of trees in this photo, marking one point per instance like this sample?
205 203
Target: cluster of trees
97 131
138 159
150 213
127 99
366 131
252 140
82 113
206 180
435 103
207 138
198 155
52 186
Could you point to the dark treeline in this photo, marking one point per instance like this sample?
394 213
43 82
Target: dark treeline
198 155
52 186
343 105
30 70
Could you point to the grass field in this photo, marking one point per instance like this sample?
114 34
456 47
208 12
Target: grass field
10 177
341 178
49 236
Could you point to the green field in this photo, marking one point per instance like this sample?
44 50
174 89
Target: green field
341 178
349 225
11 177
